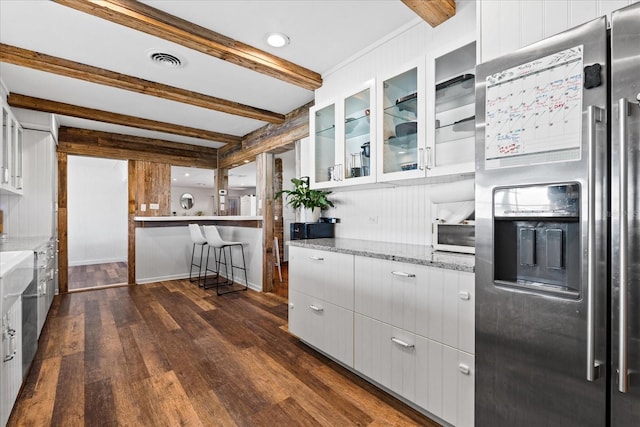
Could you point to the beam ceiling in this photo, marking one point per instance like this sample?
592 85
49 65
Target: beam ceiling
141 17
51 64
434 12
38 104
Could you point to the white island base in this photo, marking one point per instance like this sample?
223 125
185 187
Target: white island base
163 247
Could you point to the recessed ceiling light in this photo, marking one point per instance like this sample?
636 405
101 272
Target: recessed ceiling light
186 174
246 161
277 39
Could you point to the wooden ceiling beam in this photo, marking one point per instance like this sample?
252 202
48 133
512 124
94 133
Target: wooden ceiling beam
434 12
86 142
38 104
267 139
51 64
141 17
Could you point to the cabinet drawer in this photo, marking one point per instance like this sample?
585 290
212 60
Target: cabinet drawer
322 274
434 376
388 291
446 308
325 326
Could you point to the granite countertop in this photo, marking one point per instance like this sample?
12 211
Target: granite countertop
22 243
413 254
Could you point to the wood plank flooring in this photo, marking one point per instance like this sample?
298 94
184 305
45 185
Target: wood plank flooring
96 275
171 354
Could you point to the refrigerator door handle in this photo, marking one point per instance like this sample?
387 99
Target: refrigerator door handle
594 115
623 378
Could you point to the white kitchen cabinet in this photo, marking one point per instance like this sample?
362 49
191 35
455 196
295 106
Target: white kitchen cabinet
321 301
388 290
407 327
342 140
10 152
451 115
401 148
322 274
11 375
434 376
447 308
325 326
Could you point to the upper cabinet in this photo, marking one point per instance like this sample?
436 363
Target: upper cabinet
419 126
451 122
401 134
342 143
10 153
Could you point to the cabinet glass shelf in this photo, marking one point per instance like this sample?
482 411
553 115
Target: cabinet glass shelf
399 111
464 128
357 126
326 132
403 142
456 92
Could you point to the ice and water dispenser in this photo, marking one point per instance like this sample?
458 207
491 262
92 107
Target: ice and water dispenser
537 238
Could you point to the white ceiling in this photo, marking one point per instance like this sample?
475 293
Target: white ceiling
323 34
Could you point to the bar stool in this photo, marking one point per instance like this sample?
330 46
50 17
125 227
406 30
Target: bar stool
215 241
198 239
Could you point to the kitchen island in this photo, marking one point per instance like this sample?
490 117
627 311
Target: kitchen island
163 246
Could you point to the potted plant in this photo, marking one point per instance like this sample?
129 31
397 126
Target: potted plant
305 199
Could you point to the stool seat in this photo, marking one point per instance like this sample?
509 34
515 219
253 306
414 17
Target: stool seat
220 249
198 239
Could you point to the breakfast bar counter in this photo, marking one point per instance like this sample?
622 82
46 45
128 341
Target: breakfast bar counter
163 245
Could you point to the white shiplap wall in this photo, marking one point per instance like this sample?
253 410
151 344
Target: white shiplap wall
508 25
400 214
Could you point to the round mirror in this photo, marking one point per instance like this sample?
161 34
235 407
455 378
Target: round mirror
186 201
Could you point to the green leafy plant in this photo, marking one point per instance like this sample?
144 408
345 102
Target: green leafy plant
304 197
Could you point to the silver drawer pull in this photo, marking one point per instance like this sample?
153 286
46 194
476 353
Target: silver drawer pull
464 369
316 258
402 343
403 274
464 295
316 308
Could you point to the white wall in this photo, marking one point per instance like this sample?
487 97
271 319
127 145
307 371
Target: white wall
202 200
97 197
401 214
508 25
32 214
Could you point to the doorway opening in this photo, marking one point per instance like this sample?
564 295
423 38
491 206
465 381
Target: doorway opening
97 198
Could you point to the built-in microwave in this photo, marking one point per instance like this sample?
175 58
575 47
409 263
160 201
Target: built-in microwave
454 237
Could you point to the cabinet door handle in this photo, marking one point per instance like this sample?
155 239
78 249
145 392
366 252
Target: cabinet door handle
402 274
316 258
316 308
464 295
402 343
464 369
429 158
421 159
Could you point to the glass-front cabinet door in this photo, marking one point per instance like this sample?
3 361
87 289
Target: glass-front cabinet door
323 151
342 141
402 126
452 144
4 148
359 129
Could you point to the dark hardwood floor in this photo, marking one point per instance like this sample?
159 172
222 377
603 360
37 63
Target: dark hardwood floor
281 288
171 354
96 275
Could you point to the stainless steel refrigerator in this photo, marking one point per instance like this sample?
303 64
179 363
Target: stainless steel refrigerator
558 230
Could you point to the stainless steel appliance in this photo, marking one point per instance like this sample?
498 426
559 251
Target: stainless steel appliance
557 234
454 236
29 325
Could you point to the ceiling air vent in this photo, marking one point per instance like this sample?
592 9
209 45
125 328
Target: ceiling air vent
165 59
